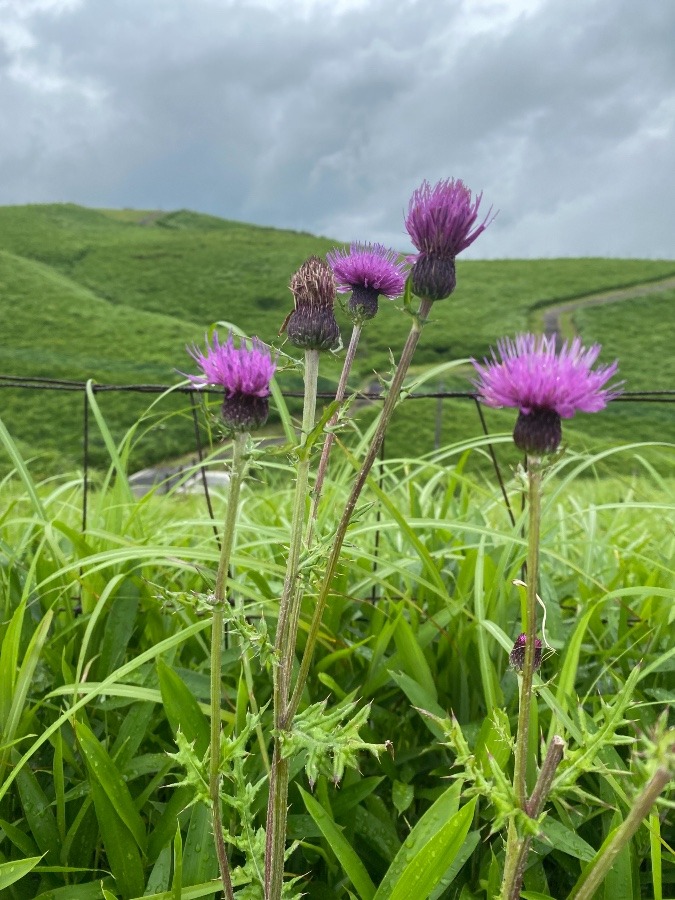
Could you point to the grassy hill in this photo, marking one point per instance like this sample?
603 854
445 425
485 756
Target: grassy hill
116 295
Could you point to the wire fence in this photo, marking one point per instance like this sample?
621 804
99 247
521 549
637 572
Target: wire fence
36 383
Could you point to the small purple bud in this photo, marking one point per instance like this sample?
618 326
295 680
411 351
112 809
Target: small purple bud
517 655
434 277
363 303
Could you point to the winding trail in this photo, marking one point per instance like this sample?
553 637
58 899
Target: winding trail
549 318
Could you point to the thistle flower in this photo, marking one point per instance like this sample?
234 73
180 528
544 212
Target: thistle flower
367 270
311 325
244 373
517 654
440 223
544 385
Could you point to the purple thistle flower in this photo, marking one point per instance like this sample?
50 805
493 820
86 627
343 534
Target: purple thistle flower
544 385
245 375
441 223
367 270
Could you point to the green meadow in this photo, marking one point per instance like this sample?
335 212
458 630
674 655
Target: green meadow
105 654
115 296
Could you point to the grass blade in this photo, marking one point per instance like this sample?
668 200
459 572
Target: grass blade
120 847
424 869
182 710
430 824
348 858
102 770
10 872
116 676
22 469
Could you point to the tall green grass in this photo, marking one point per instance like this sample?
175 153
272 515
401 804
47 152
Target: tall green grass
104 657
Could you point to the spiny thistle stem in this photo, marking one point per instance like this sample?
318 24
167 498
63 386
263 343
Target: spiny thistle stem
513 842
236 478
330 436
286 635
385 416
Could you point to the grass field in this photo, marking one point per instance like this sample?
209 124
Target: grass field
116 295
104 650
104 658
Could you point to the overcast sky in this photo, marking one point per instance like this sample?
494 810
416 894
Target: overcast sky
324 115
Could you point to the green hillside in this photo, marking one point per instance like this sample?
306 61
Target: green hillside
116 295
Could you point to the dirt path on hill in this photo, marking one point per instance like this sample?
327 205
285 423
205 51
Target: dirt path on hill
152 217
552 314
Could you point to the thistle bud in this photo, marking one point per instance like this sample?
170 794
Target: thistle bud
363 304
312 325
433 276
244 412
538 432
517 655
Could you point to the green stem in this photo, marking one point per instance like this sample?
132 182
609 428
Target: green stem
284 645
534 527
600 866
217 627
513 841
510 861
387 410
330 436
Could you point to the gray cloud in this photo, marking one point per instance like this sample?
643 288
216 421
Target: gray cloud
325 116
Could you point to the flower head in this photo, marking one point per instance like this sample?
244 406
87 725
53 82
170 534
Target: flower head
441 223
367 270
517 654
245 375
311 324
544 385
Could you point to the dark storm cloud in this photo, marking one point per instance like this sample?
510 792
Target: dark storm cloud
325 115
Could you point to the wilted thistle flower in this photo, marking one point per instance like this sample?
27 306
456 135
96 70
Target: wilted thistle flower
517 655
440 223
244 373
367 270
312 325
544 385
